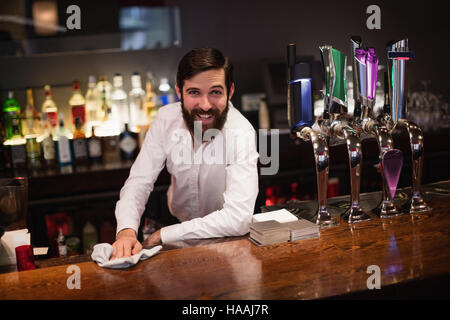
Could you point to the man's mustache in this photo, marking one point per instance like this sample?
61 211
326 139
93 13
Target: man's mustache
211 112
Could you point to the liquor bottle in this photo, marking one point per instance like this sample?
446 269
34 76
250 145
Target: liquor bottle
50 109
149 106
18 152
48 145
119 102
80 151
104 85
62 247
166 93
93 105
77 104
151 98
33 149
138 114
128 144
31 116
94 147
111 150
109 125
12 118
62 138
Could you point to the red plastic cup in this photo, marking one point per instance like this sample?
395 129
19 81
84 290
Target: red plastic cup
25 258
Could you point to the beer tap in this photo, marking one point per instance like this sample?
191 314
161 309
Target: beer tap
356 43
398 54
301 119
337 127
365 64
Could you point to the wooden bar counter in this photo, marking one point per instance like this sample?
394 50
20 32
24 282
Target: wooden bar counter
412 251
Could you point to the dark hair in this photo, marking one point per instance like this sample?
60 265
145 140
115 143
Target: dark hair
203 59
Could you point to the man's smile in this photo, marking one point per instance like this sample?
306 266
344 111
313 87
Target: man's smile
204 118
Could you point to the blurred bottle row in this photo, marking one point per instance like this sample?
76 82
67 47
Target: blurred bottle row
108 124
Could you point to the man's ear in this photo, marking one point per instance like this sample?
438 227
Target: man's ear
178 92
231 91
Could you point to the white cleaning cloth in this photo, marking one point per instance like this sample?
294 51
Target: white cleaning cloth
103 251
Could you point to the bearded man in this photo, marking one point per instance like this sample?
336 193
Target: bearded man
208 147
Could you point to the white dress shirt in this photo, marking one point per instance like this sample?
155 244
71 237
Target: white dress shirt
213 186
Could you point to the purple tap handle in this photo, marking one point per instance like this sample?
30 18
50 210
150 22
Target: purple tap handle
360 56
372 70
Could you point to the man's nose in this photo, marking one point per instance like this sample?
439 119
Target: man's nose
205 105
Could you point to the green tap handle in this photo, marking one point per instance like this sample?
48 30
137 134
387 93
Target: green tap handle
339 93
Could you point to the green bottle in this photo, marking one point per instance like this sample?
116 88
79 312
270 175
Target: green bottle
13 121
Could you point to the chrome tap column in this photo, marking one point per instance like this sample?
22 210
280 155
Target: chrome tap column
334 65
355 43
398 54
301 119
391 160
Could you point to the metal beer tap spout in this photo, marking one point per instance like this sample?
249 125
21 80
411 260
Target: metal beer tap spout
398 54
365 63
301 119
338 128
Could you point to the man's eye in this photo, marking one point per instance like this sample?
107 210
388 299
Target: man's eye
216 92
194 93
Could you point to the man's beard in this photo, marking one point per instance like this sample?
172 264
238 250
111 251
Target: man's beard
219 118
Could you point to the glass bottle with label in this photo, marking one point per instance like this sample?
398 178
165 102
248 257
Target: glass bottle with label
48 145
166 93
50 109
33 149
104 85
109 130
31 116
62 247
80 151
111 150
151 98
77 104
109 125
62 138
12 117
18 152
138 114
119 102
128 144
17 149
93 105
94 147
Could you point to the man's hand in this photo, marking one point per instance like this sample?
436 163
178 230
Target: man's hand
153 240
126 244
